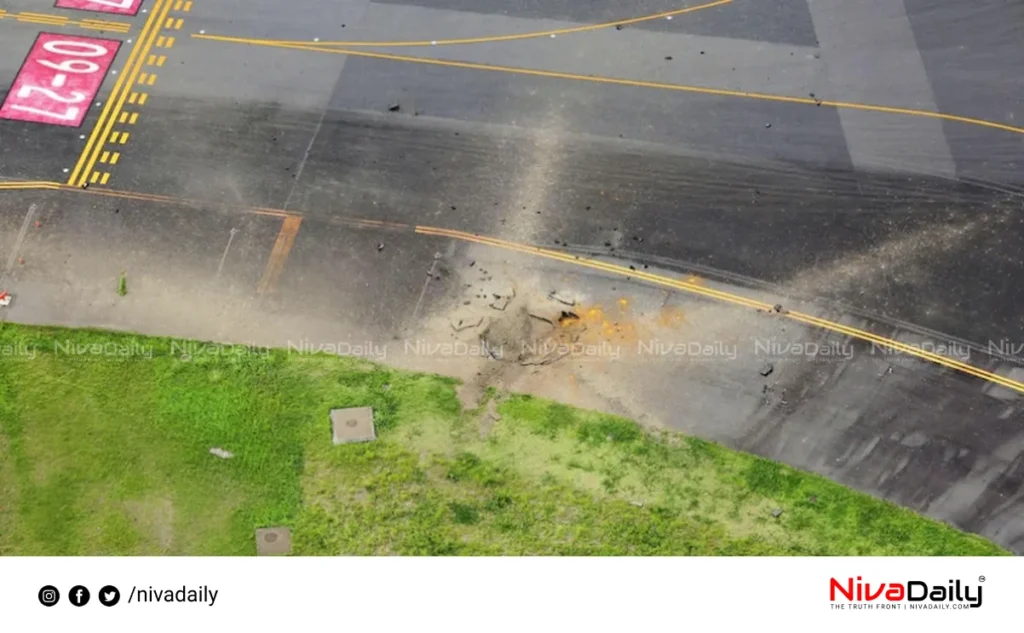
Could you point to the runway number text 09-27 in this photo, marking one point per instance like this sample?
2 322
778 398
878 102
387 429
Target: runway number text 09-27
59 79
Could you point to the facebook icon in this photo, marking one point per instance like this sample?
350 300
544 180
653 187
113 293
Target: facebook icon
79 596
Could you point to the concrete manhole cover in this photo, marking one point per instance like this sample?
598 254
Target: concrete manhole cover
273 541
353 425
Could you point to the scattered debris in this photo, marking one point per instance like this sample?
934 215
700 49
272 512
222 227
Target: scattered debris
777 307
767 125
618 27
386 387
777 512
380 247
568 317
501 302
638 504
813 499
767 369
221 453
5 299
561 299
547 360
394 107
472 263
541 318
463 324
668 57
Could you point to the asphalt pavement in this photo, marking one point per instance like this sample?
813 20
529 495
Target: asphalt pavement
863 160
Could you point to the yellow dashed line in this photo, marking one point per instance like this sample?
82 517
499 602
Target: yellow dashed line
123 117
124 138
134 117
114 136
178 5
116 156
188 6
151 80
105 157
161 60
174 24
95 178
165 41
133 97
105 178
142 98
143 77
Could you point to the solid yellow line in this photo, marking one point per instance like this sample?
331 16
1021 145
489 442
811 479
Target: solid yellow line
289 228
520 36
633 83
118 86
732 298
29 184
48 21
44 16
148 36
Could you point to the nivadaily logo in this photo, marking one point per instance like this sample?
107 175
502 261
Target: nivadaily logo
914 594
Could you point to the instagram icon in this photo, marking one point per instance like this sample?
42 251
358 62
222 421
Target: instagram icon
49 596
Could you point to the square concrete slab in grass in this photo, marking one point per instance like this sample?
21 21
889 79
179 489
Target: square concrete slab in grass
353 425
273 541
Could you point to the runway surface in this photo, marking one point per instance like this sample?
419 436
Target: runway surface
295 167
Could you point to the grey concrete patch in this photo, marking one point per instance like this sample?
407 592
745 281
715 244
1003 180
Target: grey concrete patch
352 425
871 56
273 541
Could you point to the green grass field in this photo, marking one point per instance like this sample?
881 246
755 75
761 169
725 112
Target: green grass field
111 456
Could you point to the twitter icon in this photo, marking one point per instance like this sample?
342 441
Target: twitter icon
109 596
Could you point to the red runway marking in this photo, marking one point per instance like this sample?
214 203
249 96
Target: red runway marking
120 7
59 79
